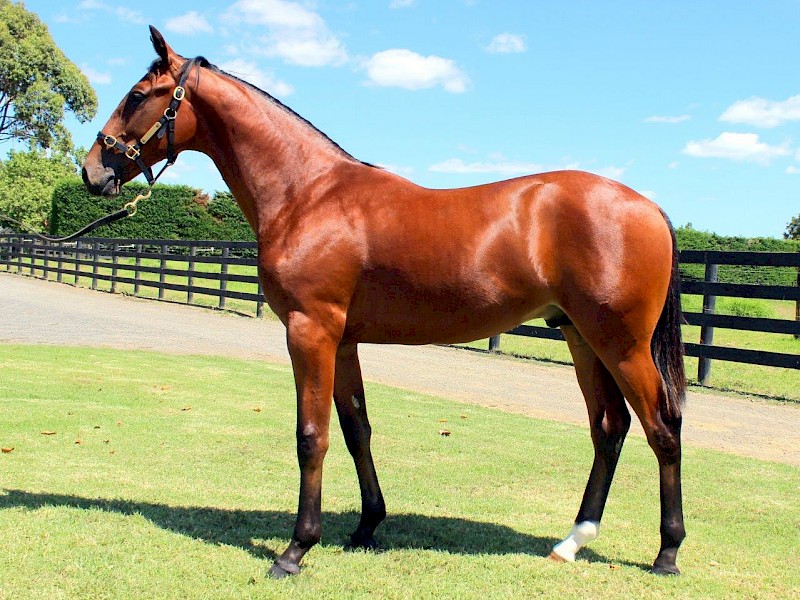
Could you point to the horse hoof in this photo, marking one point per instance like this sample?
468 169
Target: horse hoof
556 558
281 569
665 570
357 543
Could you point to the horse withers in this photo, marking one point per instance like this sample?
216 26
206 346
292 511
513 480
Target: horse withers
349 253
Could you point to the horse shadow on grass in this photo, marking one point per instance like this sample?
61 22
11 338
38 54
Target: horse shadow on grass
242 528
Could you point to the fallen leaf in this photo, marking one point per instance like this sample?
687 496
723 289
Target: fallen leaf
106 441
79 442
48 432
442 420
444 432
463 416
613 567
257 409
97 426
7 450
186 408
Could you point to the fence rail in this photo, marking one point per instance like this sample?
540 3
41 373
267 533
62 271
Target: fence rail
177 265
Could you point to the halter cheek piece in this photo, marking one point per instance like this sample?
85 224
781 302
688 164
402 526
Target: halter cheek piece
133 151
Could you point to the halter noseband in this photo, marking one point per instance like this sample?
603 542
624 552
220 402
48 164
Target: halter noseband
133 151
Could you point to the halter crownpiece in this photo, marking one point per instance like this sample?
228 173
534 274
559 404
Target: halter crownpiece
133 151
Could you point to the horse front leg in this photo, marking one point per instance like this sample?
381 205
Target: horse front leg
312 347
351 406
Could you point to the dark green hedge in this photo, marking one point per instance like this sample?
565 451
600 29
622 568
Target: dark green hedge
692 239
173 212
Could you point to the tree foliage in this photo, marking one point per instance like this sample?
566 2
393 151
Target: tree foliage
27 180
793 229
37 83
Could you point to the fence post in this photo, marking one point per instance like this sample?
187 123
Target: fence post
190 280
95 266
137 273
494 343
260 301
706 331
60 264
46 261
162 277
797 306
223 279
114 263
78 258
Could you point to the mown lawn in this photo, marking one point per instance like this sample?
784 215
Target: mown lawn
143 475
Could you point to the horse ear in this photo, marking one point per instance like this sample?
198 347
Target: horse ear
161 47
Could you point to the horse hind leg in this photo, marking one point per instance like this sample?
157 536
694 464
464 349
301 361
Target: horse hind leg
609 421
644 388
351 406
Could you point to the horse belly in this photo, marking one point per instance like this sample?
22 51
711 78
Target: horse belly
396 313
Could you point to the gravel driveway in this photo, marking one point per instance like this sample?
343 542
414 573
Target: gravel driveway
33 311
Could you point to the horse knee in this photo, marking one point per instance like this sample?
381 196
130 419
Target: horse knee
312 445
666 445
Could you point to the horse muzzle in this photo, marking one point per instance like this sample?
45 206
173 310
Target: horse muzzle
100 181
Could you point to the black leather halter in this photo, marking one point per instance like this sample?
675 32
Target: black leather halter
166 124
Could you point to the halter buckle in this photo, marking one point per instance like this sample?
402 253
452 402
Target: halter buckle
179 93
170 113
109 141
132 152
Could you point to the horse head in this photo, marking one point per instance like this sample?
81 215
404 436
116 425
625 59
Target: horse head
146 127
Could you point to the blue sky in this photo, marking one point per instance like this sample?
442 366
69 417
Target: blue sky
694 104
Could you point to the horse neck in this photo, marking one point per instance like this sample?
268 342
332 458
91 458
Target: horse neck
268 156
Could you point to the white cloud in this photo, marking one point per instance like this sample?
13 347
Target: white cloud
401 3
610 171
95 77
249 71
403 68
792 170
650 194
762 112
123 13
735 146
667 119
398 169
505 168
134 17
191 23
295 33
507 43
499 165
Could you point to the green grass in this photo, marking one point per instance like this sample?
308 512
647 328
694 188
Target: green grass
179 488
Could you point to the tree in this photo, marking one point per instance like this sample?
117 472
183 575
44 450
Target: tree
37 83
793 229
27 180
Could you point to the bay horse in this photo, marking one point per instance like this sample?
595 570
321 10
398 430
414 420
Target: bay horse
349 253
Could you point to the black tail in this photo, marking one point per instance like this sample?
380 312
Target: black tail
667 344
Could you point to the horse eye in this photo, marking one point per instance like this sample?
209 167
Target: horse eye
137 97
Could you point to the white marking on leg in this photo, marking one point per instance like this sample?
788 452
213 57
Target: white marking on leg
581 534
356 403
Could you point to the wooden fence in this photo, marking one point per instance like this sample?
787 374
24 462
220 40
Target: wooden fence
177 266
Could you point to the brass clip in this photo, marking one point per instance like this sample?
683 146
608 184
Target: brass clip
131 206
